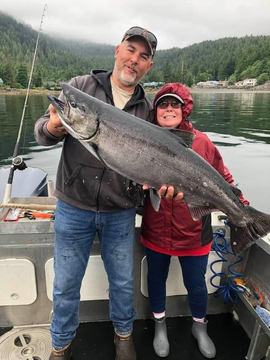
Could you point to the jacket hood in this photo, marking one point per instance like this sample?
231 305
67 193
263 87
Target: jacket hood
103 77
180 90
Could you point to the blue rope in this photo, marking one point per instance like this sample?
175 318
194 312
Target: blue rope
230 289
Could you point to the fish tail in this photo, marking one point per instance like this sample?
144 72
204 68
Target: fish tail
257 226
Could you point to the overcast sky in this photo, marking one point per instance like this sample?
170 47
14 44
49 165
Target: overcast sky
176 23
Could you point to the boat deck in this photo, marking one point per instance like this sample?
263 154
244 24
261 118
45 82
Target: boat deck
94 341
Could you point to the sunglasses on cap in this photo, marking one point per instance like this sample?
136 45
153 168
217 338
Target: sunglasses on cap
139 31
165 104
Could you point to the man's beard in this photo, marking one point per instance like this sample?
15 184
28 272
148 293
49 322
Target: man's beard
125 79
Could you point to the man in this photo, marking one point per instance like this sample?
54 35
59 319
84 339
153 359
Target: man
93 199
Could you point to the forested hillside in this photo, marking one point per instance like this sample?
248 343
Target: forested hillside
229 58
56 60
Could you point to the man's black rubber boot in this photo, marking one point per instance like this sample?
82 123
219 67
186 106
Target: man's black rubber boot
63 354
161 344
206 345
124 348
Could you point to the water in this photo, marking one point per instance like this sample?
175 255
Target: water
238 123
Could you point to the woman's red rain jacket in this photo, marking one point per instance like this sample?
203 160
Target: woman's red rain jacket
172 230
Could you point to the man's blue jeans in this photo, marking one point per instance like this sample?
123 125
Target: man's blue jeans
75 230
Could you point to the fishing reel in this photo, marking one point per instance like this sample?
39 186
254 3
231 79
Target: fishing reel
19 163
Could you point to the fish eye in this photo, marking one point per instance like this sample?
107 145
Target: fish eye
73 104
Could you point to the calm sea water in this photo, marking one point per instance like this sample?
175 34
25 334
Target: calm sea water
238 123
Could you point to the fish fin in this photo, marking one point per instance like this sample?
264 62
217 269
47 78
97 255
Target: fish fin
197 212
155 199
94 151
186 136
258 226
180 134
236 191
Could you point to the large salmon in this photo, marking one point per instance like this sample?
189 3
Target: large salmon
148 154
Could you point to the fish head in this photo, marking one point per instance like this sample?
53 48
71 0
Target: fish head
75 114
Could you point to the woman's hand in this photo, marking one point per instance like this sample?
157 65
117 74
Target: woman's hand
168 192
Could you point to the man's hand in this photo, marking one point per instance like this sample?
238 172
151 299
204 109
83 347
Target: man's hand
168 192
54 125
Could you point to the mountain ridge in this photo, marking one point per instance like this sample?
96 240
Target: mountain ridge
231 58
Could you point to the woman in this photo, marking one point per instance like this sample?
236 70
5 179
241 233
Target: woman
172 232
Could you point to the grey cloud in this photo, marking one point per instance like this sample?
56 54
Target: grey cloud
175 23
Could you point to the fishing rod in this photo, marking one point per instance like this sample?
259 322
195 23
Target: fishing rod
17 161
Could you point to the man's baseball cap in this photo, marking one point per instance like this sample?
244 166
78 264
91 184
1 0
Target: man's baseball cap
147 35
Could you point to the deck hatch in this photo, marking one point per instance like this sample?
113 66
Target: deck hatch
17 282
95 284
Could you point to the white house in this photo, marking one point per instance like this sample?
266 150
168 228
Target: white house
249 82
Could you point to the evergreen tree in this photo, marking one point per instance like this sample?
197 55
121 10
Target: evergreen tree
8 76
263 78
168 72
189 78
182 74
22 76
37 79
232 80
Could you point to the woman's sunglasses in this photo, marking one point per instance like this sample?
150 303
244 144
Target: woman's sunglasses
165 104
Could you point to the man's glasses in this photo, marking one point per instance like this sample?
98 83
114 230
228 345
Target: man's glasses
139 31
165 104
